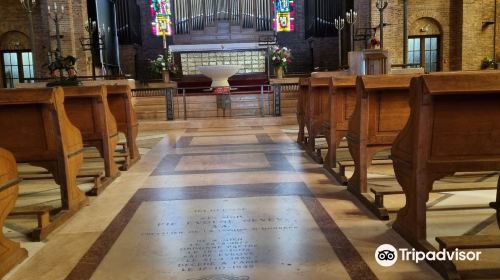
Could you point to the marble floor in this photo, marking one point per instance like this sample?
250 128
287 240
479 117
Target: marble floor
226 202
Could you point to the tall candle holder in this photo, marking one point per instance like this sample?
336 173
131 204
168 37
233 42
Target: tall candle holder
352 18
381 6
339 25
91 44
61 64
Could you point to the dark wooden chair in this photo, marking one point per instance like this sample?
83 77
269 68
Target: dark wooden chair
381 112
43 135
453 127
11 252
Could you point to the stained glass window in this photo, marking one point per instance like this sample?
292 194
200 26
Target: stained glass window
162 14
285 15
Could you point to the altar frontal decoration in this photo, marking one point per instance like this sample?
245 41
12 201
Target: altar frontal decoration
162 14
284 11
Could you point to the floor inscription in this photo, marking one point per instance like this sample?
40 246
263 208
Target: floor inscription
235 237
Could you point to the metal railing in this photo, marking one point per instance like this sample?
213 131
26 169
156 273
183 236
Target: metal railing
201 102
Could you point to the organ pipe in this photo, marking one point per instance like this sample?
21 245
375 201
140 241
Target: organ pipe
197 14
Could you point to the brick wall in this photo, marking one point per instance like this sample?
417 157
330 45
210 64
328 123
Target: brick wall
14 18
465 39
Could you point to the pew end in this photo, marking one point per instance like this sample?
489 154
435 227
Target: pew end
11 253
453 127
122 108
43 136
381 112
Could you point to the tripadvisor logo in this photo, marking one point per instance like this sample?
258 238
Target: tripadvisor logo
387 255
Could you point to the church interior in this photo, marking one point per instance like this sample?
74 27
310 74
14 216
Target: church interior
249 139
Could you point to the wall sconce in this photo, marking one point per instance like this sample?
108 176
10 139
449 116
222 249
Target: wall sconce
424 29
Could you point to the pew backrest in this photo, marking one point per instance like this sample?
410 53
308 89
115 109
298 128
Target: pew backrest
35 126
457 118
384 101
87 107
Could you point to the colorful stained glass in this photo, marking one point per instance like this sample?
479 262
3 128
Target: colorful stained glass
285 15
162 14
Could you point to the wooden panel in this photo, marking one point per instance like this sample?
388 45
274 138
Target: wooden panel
77 112
479 138
393 111
29 130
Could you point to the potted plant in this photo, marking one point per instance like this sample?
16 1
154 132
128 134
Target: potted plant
164 65
488 63
280 57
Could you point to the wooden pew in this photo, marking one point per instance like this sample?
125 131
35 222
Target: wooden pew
318 96
453 127
381 111
87 109
11 252
301 110
120 104
316 110
42 135
342 101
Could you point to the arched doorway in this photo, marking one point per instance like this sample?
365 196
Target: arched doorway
16 58
424 44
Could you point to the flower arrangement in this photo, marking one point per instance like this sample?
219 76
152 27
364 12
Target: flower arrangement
63 63
280 57
57 68
487 62
374 42
164 63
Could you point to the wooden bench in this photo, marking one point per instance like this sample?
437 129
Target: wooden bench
87 108
120 104
341 104
42 135
381 111
318 96
453 127
301 110
11 252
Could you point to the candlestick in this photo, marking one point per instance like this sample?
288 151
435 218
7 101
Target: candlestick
352 18
339 25
381 6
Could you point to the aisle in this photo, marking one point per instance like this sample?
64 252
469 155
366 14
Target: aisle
242 203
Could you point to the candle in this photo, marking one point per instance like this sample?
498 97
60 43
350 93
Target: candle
55 6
